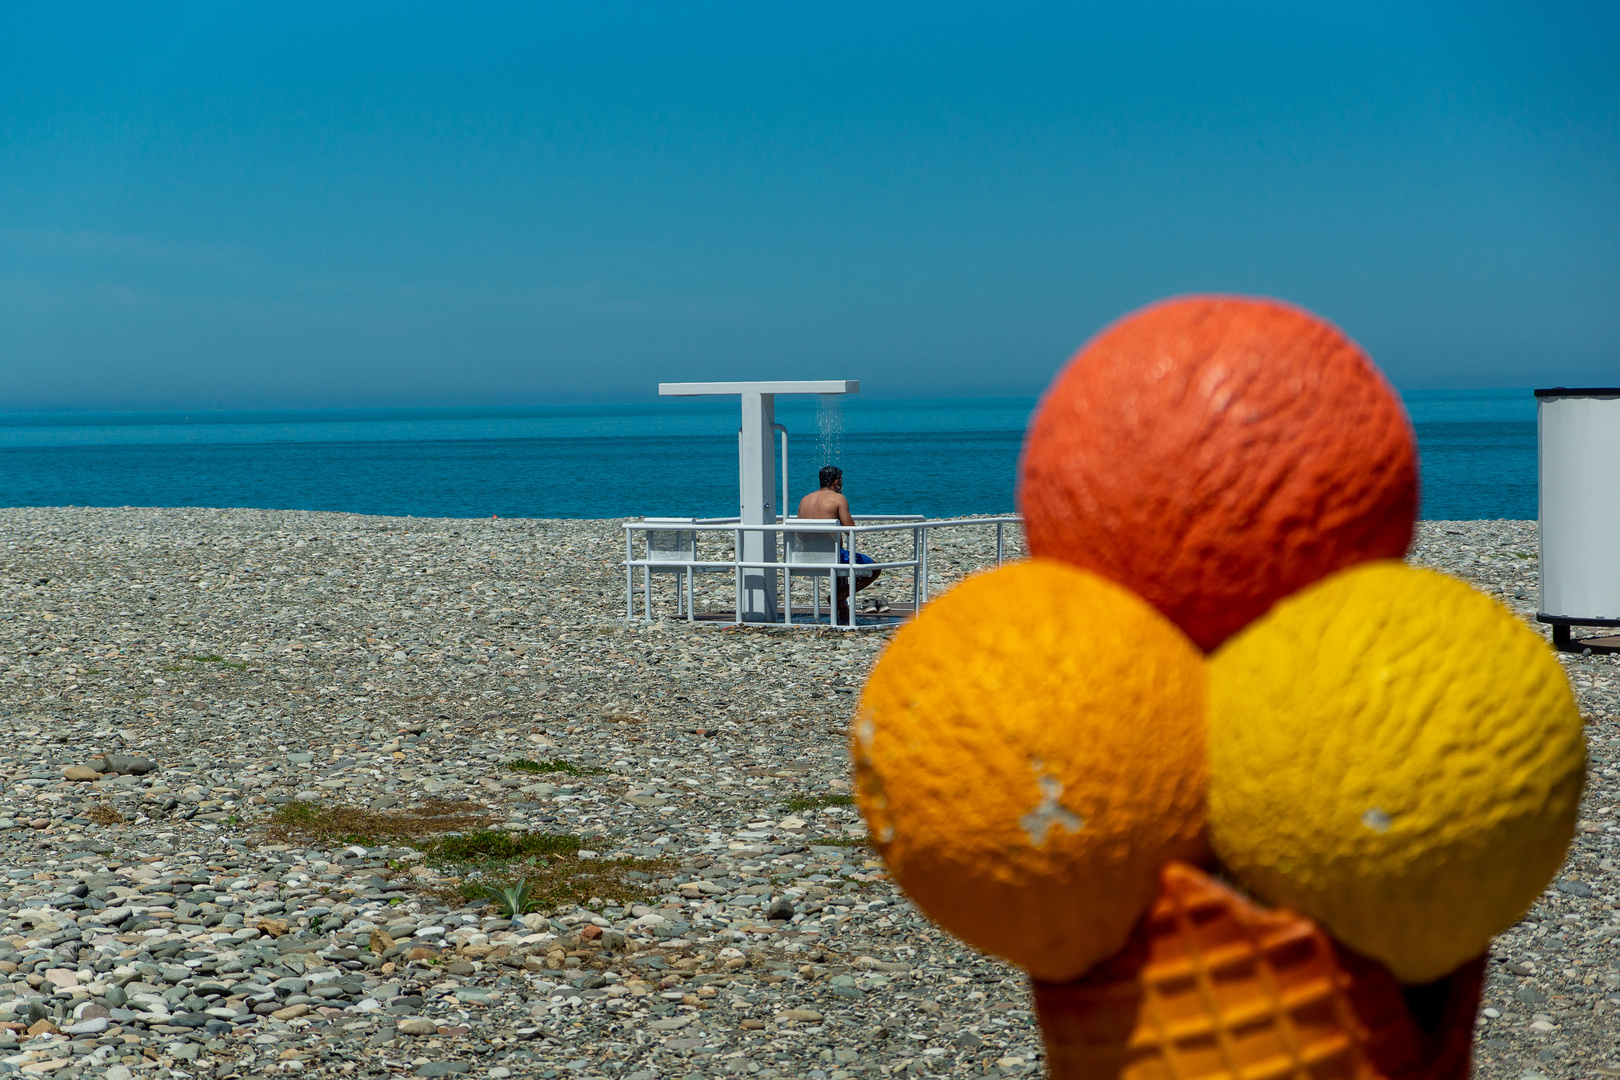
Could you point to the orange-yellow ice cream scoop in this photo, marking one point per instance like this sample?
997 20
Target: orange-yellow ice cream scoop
1028 753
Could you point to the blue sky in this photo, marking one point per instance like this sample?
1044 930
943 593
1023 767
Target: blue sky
347 205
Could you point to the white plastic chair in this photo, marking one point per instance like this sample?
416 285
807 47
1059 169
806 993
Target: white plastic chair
818 550
670 551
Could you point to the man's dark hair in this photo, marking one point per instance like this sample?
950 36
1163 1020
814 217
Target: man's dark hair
830 475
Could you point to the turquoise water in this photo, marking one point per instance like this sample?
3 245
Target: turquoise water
675 456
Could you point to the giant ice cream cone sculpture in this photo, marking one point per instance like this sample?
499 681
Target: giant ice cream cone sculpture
1213 666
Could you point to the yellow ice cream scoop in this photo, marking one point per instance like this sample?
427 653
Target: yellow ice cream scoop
1395 755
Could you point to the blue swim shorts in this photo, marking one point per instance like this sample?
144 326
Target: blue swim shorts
860 557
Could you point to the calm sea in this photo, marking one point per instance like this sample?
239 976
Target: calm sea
661 457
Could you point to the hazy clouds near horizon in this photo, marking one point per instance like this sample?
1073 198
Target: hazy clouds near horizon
396 205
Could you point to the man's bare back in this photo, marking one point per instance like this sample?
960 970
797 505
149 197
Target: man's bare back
827 503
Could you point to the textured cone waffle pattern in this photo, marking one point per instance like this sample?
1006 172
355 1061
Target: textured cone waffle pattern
1212 986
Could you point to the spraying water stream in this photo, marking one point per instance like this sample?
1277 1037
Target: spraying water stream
829 429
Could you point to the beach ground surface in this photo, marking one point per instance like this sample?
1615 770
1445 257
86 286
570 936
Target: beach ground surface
241 745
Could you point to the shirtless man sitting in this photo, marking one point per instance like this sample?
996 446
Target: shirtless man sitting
829 502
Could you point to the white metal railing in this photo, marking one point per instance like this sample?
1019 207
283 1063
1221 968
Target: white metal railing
670 546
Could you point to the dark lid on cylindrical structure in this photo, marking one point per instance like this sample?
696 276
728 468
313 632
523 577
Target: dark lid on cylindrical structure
1579 391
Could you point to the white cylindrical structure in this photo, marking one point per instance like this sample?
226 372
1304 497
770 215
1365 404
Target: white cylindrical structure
1578 446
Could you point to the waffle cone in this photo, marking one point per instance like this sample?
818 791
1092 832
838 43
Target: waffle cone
1211 985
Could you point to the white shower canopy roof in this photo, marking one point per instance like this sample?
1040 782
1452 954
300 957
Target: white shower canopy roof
756 492
756 473
799 386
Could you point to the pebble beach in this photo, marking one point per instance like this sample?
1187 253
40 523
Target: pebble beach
239 745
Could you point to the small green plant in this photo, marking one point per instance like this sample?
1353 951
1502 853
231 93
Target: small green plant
560 879
514 899
234 820
493 844
298 813
457 838
211 659
418 826
105 814
553 766
315 924
819 802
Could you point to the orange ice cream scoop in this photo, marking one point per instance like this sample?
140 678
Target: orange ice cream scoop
1028 752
